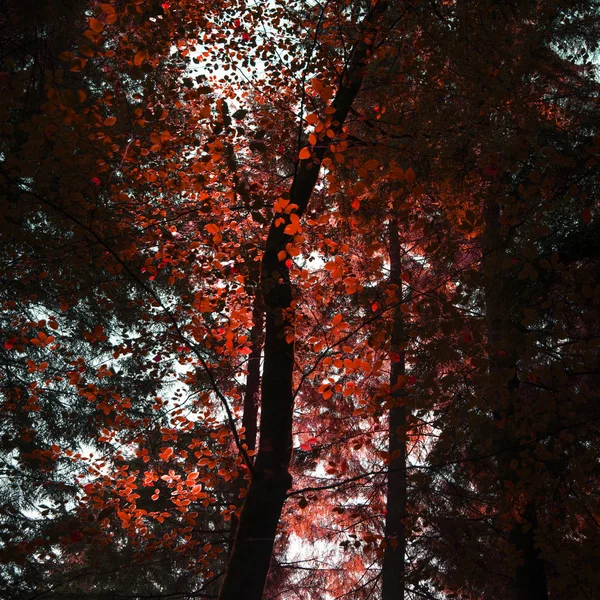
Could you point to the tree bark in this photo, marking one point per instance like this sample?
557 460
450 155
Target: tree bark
503 317
393 574
251 399
252 392
251 555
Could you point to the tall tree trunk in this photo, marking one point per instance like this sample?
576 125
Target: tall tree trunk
502 321
530 577
252 392
393 575
251 398
251 556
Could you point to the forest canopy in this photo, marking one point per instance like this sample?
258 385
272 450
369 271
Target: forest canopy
299 299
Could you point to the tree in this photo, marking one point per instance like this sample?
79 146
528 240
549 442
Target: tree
369 215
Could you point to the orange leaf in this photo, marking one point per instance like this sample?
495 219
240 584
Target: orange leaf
96 26
397 173
166 454
294 226
139 58
358 188
203 306
280 204
304 154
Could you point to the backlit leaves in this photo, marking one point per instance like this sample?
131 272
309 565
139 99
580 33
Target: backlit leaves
136 219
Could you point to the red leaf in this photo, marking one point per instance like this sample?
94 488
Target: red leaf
166 454
308 445
586 215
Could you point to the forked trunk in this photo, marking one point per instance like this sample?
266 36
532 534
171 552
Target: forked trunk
251 555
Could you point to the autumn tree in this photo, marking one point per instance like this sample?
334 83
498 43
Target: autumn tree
376 218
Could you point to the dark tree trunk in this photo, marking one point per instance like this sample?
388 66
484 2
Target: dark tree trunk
503 317
251 399
251 556
530 578
252 392
393 575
